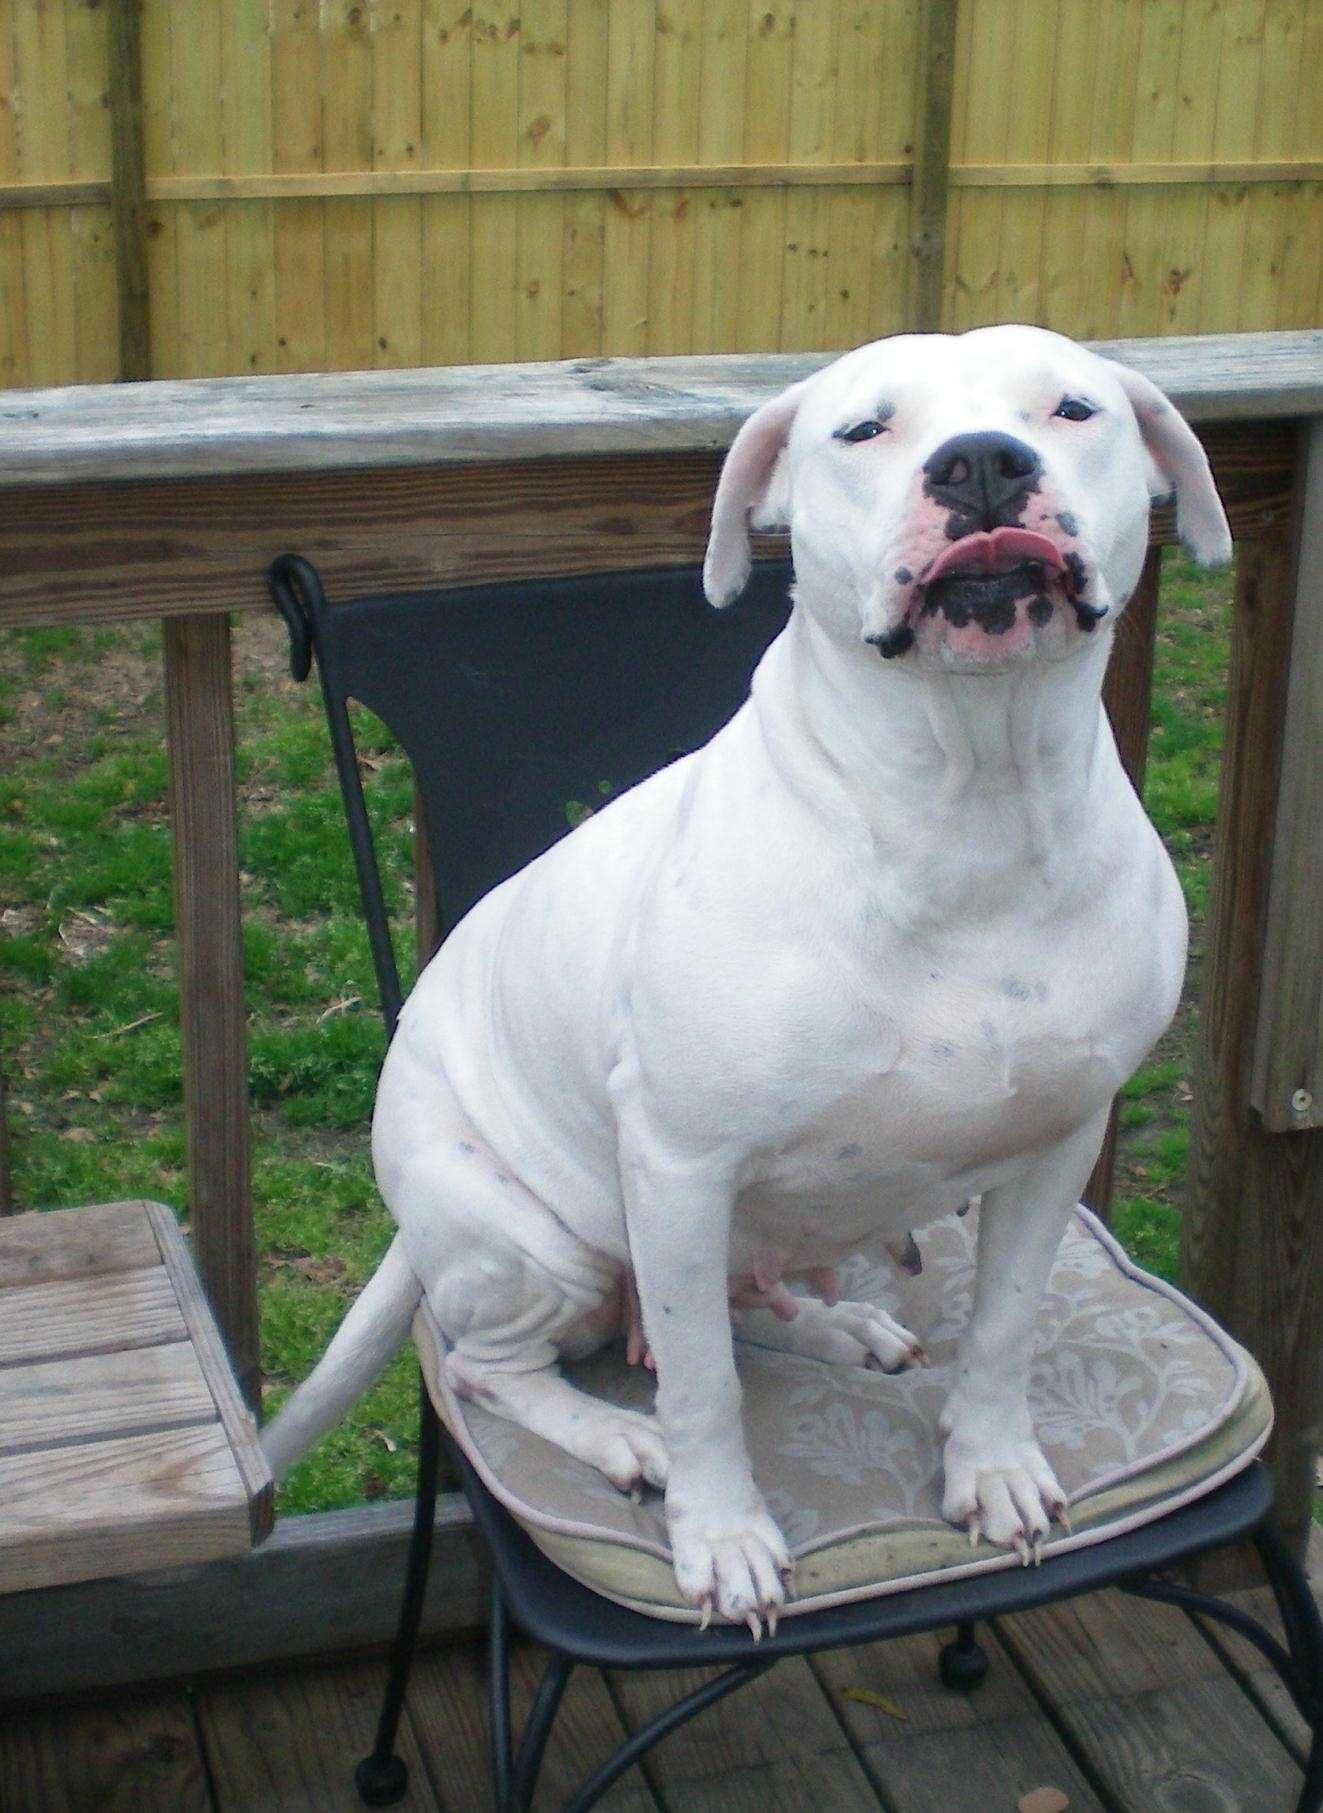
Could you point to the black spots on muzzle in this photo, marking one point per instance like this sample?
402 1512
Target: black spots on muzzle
891 643
984 479
904 576
1087 615
990 600
1069 522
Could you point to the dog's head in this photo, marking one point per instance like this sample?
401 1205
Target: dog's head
967 502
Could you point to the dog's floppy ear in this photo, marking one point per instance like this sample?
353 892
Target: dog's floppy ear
1174 449
748 487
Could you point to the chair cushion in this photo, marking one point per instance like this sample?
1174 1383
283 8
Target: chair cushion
1141 1402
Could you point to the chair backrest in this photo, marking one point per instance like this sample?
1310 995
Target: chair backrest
521 705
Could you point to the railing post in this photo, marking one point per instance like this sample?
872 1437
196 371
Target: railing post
1252 1232
200 729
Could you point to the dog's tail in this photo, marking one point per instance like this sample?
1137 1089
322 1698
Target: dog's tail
363 1346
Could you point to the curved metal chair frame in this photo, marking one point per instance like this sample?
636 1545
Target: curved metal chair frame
510 700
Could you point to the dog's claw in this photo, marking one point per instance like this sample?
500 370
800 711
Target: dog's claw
706 1619
755 1625
1021 1547
974 1524
773 1619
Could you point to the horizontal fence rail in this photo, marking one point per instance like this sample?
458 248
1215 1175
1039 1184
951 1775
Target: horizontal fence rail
169 500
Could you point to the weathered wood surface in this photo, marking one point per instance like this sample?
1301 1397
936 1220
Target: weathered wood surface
1287 1082
128 194
1005 1746
91 1315
1251 1232
775 1743
205 868
123 1443
206 427
107 553
931 179
320 1585
1148 1707
129 1756
115 1237
1114 1703
292 1742
448 1710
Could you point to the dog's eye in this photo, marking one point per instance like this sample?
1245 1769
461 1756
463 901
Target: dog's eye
1075 409
862 431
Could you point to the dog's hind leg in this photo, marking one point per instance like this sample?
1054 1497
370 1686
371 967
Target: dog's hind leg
842 1334
507 1317
510 1286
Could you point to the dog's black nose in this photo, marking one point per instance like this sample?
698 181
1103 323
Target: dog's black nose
985 477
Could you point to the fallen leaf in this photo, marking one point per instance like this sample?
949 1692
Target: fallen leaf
1043 1800
866 1697
81 1136
388 1443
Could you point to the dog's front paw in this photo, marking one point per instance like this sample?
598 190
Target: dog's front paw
739 1569
999 1484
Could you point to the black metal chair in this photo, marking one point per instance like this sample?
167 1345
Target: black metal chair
511 700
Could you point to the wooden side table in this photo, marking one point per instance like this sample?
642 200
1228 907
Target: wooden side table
124 1442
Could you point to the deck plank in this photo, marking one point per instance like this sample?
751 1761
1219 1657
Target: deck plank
774 1746
55 1403
93 1314
941 1751
76 1243
1258 1677
290 1743
448 1707
160 1499
136 1755
1150 1706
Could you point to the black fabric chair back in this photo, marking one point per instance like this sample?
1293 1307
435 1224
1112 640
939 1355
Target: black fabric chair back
522 705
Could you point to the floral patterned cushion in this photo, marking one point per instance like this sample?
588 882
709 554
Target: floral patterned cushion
1141 1403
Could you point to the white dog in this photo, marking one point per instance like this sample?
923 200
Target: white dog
892 939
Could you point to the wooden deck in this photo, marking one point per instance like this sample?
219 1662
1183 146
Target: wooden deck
1118 1704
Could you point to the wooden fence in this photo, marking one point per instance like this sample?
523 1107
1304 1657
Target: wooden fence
194 187
170 499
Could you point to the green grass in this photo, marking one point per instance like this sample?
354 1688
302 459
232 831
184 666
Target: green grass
88 1011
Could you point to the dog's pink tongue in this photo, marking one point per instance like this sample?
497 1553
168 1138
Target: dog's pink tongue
995 552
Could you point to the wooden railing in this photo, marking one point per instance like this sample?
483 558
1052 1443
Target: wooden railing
170 499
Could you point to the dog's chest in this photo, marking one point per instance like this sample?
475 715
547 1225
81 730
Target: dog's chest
951 1078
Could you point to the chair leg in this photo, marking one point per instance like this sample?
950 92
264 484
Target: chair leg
537 1729
963 1663
382 1778
629 1752
498 1697
1304 1636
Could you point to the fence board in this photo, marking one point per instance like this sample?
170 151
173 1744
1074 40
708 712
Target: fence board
350 184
